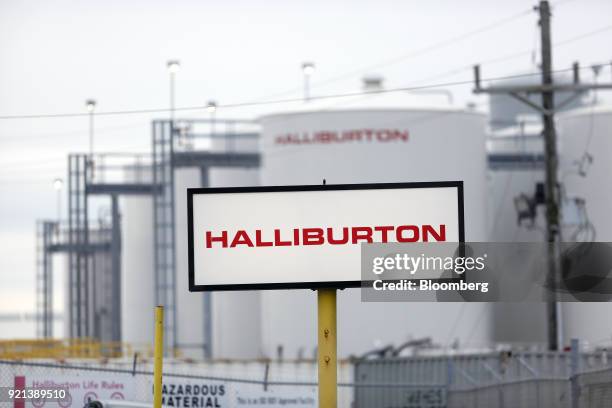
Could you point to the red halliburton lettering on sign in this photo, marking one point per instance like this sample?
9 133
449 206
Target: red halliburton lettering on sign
322 236
345 136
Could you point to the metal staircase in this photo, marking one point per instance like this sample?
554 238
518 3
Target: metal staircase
94 267
93 250
78 253
179 145
164 227
44 279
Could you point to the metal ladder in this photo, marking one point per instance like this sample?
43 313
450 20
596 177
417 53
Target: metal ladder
78 253
164 227
44 280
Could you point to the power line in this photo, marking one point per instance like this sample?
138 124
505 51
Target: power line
415 53
33 162
495 60
109 113
55 165
255 103
585 35
70 133
22 182
421 51
430 48
287 100
559 2
515 55
400 89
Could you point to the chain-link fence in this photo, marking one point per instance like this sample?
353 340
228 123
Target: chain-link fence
585 390
188 385
594 388
568 379
392 383
216 384
540 393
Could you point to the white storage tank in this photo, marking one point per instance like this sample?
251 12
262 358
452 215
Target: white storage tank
137 270
586 172
137 284
372 139
235 316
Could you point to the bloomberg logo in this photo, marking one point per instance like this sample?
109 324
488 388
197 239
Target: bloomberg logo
322 236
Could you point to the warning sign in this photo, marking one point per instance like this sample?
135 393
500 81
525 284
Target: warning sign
79 390
194 394
179 392
188 393
256 396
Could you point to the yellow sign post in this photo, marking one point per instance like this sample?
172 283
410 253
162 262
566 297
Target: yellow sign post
159 357
328 366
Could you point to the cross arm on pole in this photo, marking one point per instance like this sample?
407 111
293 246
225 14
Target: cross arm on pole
538 89
529 103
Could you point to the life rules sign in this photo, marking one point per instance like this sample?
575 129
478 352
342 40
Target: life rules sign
294 237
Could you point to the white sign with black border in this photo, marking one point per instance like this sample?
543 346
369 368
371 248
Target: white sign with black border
309 237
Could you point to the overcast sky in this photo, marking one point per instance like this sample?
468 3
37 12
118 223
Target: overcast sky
56 54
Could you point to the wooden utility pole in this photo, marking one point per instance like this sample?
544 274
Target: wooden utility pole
552 188
551 183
